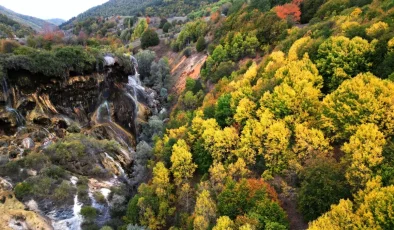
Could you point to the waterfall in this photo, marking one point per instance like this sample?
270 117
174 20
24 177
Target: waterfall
103 209
20 120
135 83
75 221
121 170
103 108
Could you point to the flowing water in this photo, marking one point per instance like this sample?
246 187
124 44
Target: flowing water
121 170
103 112
67 221
20 120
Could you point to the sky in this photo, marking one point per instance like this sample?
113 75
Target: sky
48 9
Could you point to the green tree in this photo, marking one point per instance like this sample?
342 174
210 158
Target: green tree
149 38
200 45
223 111
323 184
262 5
167 26
139 29
145 59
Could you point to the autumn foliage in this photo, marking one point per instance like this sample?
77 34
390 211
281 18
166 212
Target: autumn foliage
289 10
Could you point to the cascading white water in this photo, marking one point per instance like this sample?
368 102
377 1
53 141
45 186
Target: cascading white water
121 170
135 83
102 109
20 120
74 222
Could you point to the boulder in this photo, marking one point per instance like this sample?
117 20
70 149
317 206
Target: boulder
28 143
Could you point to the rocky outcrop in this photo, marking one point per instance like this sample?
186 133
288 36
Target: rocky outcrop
43 100
15 216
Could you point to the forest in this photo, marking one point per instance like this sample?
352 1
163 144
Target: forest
288 125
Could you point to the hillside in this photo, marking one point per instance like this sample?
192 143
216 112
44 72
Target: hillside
10 28
56 21
242 115
35 23
163 8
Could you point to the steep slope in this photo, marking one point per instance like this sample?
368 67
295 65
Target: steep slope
35 23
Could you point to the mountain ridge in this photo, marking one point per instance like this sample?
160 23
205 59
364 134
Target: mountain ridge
36 23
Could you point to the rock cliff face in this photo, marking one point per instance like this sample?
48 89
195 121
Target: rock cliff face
36 115
28 99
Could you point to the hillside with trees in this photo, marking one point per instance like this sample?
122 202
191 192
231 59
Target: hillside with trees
10 28
29 21
281 116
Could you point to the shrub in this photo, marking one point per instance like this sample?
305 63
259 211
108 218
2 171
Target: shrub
22 189
64 191
187 52
8 46
99 197
89 214
167 26
55 172
149 38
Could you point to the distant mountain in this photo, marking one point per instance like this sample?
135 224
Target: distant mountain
35 23
56 21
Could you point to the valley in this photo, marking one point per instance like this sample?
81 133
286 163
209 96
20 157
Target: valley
218 114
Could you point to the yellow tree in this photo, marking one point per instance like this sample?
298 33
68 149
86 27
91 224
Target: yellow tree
277 154
364 151
217 174
293 52
204 211
245 110
154 202
182 164
373 209
340 217
224 223
309 143
363 99
224 143
238 169
161 180
251 141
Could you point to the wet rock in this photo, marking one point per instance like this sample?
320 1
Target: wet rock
4 159
42 120
13 152
28 143
39 135
3 143
26 104
8 122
